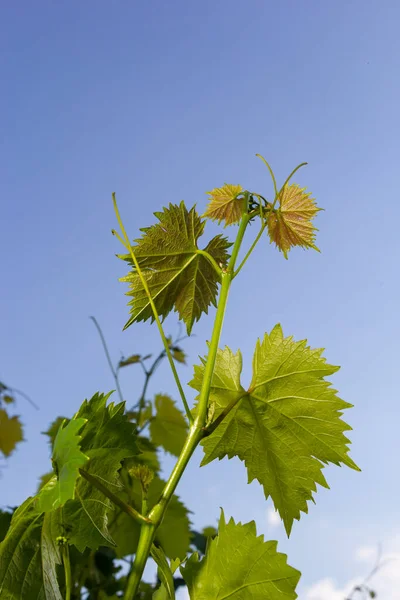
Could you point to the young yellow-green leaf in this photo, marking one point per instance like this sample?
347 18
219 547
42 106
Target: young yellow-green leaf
169 427
291 224
177 276
107 439
67 460
178 354
131 360
10 432
285 426
7 399
29 556
173 535
240 566
224 204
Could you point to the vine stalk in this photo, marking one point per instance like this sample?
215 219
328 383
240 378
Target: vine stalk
196 432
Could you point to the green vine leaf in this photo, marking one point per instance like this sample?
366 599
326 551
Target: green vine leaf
10 432
225 205
177 276
53 429
67 460
29 555
169 427
241 565
291 224
285 427
107 438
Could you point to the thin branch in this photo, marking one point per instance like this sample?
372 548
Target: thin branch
27 398
213 426
212 262
134 514
263 226
154 310
113 371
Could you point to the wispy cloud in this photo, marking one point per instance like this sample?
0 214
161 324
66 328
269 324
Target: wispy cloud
385 582
273 518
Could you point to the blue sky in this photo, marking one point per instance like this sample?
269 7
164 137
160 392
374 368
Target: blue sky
161 102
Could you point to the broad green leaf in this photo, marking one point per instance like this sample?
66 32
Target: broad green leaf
53 429
107 439
291 223
173 535
200 540
29 556
225 205
10 432
165 574
285 426
67 460
169 427
177 276
44 479
240 566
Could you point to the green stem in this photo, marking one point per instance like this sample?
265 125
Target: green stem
113 371
240 267
146 538
196 431
67 571
213 426
155 313
212 261
129 510
148 374
271 173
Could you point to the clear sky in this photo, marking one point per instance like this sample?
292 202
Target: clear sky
162 101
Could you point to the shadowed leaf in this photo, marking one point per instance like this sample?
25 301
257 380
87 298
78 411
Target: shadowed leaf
177 276
10 432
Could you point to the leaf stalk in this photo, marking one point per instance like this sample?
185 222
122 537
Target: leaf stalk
154 309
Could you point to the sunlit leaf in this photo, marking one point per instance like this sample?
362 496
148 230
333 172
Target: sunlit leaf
291 223
285 427
224 204
169 427
241 565
177 276
53 429
10 432
67 460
